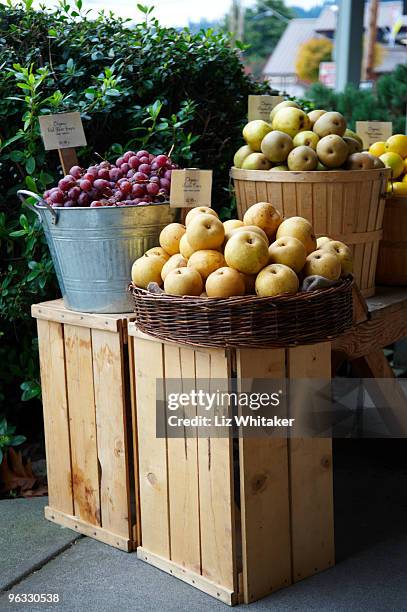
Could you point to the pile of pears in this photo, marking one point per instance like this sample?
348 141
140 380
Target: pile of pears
297 141
264 255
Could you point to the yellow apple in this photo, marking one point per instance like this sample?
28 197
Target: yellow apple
199 210
291 121
289 251
205 262
302 158
352 134
158 251
265 216
183 281
147 269
225 282
253 228
276 146
256 161
254 132
322 240
230 225
397 144
378 148
175 261
241 155
185 248
343 253
205 232
276 279
299 228
282 168
280 105
393 161
323 263
315 115
330 123
170 237
400 188
307 138
246 252
332 150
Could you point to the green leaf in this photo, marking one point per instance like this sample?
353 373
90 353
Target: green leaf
31 184
17 440
30 165
14 138
1 456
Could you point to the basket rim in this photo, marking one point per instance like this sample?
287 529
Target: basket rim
286 176
60 208
347 282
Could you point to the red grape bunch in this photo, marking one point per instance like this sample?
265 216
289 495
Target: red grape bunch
136 179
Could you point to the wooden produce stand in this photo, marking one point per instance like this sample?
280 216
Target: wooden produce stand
87 419
392 260
192 526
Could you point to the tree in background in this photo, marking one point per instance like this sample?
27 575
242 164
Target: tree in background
264 24
310 55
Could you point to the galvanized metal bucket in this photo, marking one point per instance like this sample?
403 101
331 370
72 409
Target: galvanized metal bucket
93 249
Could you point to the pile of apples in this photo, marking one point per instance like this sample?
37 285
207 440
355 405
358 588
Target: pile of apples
264 255
135 179
295 140
393 154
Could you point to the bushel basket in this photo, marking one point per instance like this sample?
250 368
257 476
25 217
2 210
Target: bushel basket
344 205
247 321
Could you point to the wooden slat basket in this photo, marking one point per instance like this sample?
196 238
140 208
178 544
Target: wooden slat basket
88 423
392 260
237 519
345 205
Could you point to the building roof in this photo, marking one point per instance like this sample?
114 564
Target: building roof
282 60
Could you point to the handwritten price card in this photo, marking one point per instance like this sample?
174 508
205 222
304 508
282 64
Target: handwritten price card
62 131
190 188
260 107
373 131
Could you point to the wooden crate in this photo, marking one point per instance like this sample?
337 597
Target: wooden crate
347 206
191 526
87 421
392 260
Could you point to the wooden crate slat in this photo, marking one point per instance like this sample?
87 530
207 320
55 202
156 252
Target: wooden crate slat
92 531
265 509
111 431
183 478
216 487
134 485
152 450
85 473
310 468
207 586
56 418
56 311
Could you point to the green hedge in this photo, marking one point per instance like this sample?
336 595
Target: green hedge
140 86
387 102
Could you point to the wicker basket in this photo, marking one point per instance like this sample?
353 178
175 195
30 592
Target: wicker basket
348 206
247 321
392 260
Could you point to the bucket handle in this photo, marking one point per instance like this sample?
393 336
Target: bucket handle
24 192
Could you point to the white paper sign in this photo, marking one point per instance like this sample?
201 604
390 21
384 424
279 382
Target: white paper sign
373 131
260 107
62 131
190 188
